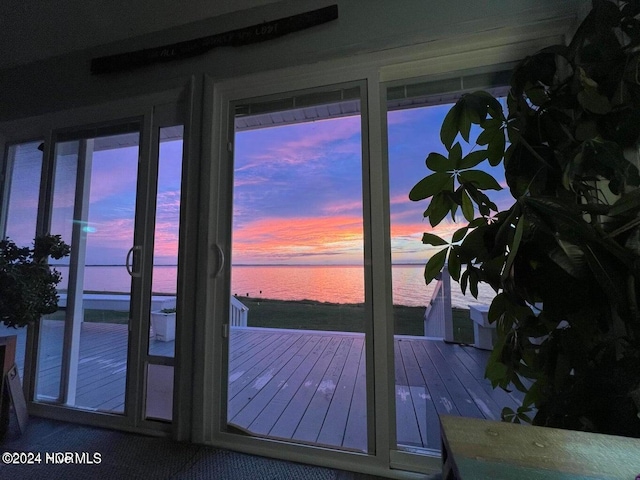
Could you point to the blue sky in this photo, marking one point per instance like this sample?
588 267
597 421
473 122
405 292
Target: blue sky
297 194
298 190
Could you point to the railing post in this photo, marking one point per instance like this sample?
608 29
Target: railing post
438 318
238 313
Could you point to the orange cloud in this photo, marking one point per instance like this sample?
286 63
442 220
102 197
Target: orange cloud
299 240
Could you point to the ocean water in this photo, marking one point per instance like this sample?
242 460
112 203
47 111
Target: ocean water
335 284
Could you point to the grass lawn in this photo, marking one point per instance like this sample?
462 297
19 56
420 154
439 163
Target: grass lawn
97 316
312 315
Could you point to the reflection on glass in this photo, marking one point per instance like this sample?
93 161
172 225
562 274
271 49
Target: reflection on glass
24 169
165 253
297 356
433 377
93 210
51 341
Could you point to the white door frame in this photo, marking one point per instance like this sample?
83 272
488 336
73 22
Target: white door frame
437 58
154 111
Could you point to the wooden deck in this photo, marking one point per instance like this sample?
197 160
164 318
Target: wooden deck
101 367
310 387
300 385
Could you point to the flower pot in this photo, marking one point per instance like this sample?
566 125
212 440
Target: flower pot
164 325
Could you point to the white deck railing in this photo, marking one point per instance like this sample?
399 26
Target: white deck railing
438 321
238 313
117 302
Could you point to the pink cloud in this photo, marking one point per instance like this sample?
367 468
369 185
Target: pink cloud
320 139
299 239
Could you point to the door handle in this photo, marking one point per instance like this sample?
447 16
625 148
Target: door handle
128 261
220 260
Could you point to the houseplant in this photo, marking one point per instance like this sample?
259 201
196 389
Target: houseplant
27 290
564 259
164 324
27 282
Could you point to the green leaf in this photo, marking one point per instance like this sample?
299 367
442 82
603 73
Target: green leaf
449 129
467 207
480 179
628 203
473 159
464 280
593 101
507 414
566 219
473 283
434 265
517 238
454 264
455 155
431 239
604 271
476 106
497 308
428 186
537 95
569 257
495 148
459 234
464 123
439 163
486 135
454 210
438 209
496 372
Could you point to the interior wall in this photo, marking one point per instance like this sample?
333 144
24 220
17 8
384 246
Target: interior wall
363 26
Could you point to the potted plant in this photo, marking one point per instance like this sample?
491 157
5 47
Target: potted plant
27 282
27 290
164 324
564 259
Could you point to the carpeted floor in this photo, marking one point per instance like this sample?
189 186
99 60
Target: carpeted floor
131 456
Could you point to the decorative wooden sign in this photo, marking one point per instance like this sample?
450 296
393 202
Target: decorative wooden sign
17 397
234 38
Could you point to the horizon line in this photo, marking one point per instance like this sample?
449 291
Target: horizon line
251 264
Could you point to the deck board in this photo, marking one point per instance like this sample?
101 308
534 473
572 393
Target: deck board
246 395
288 422
438 393
355 436
456 390
313 419
251 406
300 385
409 409
335 422
279 402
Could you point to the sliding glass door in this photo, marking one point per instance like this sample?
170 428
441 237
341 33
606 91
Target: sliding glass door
83 354
439 360
22 173
113 192
298 315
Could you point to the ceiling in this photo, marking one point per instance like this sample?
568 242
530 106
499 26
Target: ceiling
37 29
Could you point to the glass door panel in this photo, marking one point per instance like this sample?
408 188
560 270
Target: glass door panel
163 314
84 346
165 251
438 367
23 170
297 320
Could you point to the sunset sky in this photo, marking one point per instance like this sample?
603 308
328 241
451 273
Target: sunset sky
297 194
298 190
